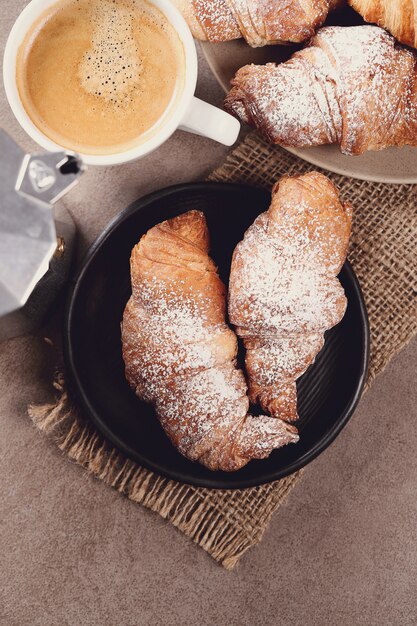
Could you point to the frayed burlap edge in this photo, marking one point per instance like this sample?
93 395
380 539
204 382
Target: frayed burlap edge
211 518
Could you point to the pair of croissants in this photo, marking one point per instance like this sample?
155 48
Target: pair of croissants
263 22
179 353
352 86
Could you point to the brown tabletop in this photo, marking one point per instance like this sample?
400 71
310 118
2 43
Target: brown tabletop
342 550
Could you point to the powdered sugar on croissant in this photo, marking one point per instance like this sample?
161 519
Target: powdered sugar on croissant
353 86
180 354
283 291
260 22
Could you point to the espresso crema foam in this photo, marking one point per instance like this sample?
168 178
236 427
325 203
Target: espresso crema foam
100 76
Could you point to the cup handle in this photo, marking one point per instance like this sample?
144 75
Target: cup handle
207 120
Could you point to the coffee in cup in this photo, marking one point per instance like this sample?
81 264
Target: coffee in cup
100 76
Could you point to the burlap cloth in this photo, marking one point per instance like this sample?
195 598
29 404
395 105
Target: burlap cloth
383 254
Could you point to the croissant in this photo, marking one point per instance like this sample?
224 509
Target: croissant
353 86
397 16
260 22
180 355
283 292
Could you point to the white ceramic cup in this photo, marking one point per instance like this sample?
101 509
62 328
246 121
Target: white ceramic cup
188 112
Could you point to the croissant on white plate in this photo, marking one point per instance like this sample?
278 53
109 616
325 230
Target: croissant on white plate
284 292
260 22
397 16
180 355
353 86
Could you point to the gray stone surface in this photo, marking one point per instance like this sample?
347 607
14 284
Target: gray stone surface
342 550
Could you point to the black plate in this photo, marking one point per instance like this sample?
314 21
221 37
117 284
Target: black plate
328 391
